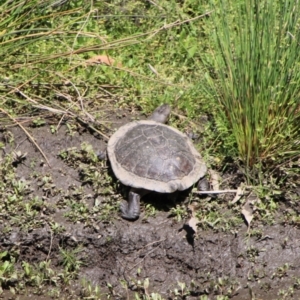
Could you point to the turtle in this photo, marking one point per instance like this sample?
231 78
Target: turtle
149 155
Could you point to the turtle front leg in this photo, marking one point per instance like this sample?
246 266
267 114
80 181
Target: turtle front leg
131 209
203 184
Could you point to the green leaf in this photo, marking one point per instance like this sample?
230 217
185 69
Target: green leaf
192 51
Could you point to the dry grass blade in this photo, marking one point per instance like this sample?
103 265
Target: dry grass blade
215 192
28 135
215 179
247 212
239 194
248 209
64 112
191 227
133 39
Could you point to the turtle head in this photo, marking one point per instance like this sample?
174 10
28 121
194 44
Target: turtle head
161 114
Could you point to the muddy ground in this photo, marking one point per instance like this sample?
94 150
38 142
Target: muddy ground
119 255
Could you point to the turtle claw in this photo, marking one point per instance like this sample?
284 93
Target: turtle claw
131 209
124 209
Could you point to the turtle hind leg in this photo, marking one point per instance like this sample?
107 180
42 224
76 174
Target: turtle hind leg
131 209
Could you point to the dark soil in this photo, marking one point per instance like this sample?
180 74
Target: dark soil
119 255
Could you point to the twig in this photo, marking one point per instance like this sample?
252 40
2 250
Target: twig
93 128
80 97
28 135
152 2
144 257
107 92
215 192
184 117
154 242
51 242
177 23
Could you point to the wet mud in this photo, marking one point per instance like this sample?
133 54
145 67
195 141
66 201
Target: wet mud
120 256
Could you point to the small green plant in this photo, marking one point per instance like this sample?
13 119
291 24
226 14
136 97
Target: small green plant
179 212
70 261
182 292
38 122
90 291
57 228
154 296
296 284
8 274
144 294
53 129
71 129
38 275
21 187
222 298
286 293
252 253
74 157
281 271
79 211
225 287
150 210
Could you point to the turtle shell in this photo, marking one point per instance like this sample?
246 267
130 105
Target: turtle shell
155 157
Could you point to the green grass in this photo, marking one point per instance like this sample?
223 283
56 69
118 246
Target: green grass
143 37
230 70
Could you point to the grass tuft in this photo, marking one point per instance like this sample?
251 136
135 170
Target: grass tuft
257 78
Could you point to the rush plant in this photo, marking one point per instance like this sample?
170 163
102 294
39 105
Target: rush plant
256 77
